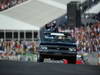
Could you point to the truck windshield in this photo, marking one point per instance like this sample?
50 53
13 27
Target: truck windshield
58 37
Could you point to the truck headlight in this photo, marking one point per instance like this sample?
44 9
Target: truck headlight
71 49
79 56
45 48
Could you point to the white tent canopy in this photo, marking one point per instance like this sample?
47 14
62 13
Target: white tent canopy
38 12
94 9
8 23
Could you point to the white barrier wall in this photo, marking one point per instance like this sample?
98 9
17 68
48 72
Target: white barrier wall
25 58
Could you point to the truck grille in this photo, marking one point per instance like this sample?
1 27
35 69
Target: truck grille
57 48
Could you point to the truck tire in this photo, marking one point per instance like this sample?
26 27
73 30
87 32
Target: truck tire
40 59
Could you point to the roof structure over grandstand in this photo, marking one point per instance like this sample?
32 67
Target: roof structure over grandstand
37 12
95 9
7 23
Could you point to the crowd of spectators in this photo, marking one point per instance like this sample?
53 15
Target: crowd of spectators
88 38
17 47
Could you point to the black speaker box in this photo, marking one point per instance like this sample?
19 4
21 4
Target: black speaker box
74 14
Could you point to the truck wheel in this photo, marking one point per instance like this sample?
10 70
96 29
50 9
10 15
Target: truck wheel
40 59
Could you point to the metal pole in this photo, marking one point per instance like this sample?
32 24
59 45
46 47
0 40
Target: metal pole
5 35
24 35
12 35
18 35
32 35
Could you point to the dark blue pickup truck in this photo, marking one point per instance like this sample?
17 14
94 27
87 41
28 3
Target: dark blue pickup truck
57 46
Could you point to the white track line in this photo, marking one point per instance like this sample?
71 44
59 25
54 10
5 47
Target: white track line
54 3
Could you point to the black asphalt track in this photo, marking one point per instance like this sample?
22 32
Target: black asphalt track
29 68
